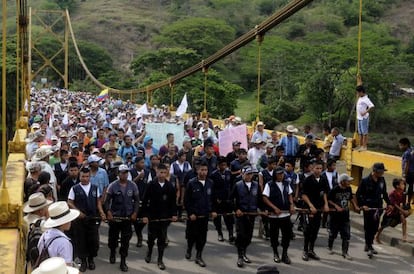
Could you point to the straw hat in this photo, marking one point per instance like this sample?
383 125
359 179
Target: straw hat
36 201
55 265
42 153
291 128
60 214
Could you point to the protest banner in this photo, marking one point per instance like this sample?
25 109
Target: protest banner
158 132
229 135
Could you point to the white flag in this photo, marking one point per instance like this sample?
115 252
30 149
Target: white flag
142 110
183 106
65 119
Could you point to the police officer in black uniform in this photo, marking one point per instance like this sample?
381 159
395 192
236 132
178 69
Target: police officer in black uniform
245 195
122 204
139 176
86 198
198 203
370 195
159 209
314 194
222 186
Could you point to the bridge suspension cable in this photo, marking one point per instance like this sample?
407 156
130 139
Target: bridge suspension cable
272 21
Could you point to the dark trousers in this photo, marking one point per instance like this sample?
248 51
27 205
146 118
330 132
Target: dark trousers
310 230
371 224
284 225
224 208
138 226
196 233
85 237
157 230
244 230
123 227
341 226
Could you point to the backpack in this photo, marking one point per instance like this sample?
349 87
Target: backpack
44 254
34 235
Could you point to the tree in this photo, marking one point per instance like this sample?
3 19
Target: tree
204 35
167 60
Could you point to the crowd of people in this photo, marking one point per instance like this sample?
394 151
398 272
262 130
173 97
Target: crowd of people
91 161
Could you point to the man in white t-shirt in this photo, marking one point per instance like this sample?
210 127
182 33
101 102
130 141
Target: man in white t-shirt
277 196
363 107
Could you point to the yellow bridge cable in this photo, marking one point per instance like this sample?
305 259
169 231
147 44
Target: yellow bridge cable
268 24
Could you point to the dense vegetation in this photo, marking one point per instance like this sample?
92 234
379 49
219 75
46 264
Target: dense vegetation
308 63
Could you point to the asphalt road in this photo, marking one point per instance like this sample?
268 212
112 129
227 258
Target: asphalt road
221 257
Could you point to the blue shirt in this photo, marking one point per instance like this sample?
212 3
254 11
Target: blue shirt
407 158
290 144
60 247
100 179
336 145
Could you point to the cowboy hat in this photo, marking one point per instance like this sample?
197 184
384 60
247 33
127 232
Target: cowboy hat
36 201
291 128
42 153
60 214
55 265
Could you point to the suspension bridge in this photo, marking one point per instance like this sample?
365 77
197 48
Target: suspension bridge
12 244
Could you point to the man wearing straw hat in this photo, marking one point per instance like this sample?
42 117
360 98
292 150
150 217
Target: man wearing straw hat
36 208
54 239
122 204
42 157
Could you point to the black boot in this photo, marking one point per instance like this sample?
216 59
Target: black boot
330 246
91 263
112 256
240 261
139 241
83 265
245 258
285 257
345 247
148 256
199 260
188 252
276 257
123 265
160 255
231 237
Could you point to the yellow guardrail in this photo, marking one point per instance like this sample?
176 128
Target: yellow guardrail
12 238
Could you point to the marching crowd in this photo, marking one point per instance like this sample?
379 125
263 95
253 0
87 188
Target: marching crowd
91 161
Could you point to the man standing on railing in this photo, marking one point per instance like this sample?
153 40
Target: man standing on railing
371 193
121 203
363 107
159 209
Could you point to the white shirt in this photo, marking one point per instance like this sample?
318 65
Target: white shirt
86 189
60 247
329 175
363 104
266 192
249 185
254 155
203 182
